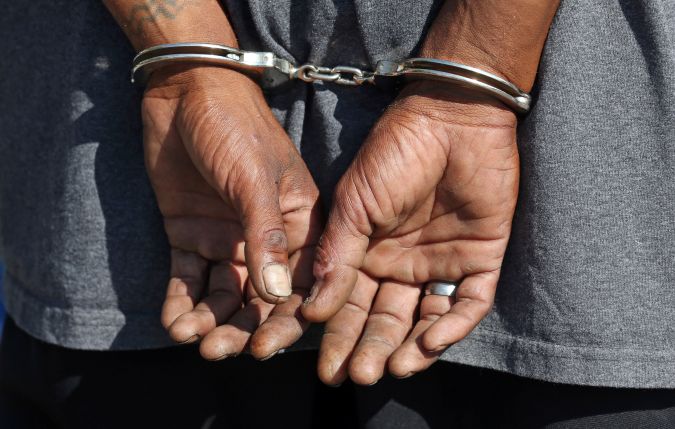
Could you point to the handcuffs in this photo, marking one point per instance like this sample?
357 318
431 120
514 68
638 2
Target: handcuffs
274 70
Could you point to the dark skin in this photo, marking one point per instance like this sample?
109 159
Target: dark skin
430 196
239 205
401 230
235 196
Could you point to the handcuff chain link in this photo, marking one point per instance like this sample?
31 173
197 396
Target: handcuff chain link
341 75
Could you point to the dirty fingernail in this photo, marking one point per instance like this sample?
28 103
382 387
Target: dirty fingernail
277 280
190 340
438 349
409 374
312 294
269 356
222 357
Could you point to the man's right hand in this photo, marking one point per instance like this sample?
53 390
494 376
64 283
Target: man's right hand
240 210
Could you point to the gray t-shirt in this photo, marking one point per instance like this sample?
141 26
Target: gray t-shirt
587 294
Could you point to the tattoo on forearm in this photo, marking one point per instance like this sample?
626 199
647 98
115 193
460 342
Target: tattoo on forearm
147 12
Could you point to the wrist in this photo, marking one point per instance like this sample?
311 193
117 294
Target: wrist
176 80
454 105
182 34
501 37
151 22
468 53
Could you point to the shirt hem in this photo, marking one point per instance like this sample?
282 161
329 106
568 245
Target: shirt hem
526 357
83 328
577 365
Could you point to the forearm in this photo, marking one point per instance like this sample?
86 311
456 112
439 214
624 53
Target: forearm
152 22
505 37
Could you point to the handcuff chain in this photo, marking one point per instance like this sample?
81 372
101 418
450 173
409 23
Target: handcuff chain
341 75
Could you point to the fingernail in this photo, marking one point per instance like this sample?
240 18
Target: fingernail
438 349
269 356
221 357
312 294
277 280
410 374
190 340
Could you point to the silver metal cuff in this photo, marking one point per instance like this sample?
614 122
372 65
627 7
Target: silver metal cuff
275 70
461 75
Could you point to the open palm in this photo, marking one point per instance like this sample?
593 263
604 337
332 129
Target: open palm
430 196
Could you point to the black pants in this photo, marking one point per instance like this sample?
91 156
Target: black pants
44 386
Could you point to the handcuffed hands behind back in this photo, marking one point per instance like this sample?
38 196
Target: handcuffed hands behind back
430 196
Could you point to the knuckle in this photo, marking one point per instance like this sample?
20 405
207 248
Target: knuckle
323 260
297 183
274 240
392 319
361 209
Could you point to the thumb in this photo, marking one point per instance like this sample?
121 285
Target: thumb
266 244
339 255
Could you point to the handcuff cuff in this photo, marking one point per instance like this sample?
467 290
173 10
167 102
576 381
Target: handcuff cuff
274 71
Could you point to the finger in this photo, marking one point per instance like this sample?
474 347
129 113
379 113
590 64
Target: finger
188 278
266 248
343 331
285 325
474 299
339 254
225 296
411 357
300 207
389 322
212 238
232 338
